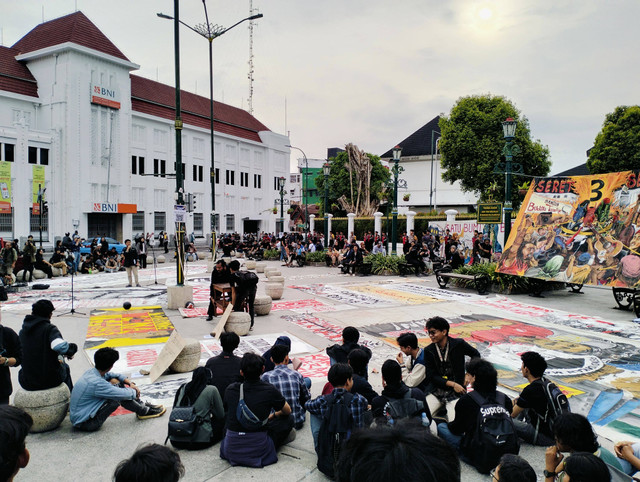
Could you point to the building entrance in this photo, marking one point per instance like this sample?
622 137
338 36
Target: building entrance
251 226
101 224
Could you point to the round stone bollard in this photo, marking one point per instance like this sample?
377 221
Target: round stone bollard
38 274
46 407
262 305
56 271
268 269
149 260
274 289
272 273
250 264
202 255
277 279
260 267
239 322
160 259
188 359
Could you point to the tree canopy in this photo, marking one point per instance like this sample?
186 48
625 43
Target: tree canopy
617 145
339 180
472 143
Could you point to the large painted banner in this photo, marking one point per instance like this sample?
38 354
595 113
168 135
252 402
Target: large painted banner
580 229
5 187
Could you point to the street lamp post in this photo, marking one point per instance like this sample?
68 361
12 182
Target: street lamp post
326 170
210 32
510 149
304 188
433 132
397 152
281 181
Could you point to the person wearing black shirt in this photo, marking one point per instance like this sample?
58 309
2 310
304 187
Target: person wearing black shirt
340 353
10 356
358 361
414 259
241 289
456 258
220 274
225 368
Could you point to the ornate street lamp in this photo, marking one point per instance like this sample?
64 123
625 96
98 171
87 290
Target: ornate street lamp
281 181
397 152
326 170
510 149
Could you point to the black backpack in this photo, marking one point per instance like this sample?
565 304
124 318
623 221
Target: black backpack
246 279
406 407
335 430
183 421
557 404
494 436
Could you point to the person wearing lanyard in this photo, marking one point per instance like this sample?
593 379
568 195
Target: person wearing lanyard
445 367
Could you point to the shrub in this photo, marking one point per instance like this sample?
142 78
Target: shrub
315 257
271 254
505 283
380 263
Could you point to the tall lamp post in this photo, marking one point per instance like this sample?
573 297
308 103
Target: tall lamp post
433 139
397 152
304 187
281 181
210 32
510 149
326 170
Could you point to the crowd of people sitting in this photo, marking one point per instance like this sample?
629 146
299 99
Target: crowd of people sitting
439 405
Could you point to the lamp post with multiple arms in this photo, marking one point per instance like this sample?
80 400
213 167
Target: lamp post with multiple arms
326 170
210 32
510 149
397 152
304 187
281 181
433 133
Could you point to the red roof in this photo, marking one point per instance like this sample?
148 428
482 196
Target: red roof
15 76
75 28
154 98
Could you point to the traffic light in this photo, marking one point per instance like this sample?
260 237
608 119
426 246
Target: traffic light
45 207
193 202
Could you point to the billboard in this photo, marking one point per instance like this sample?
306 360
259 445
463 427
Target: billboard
5 187
578 229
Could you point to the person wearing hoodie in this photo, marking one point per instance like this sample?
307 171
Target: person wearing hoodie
44 350
10 356
340 353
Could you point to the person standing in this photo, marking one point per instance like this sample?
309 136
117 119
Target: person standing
131 262
10 356
43 350
244 286
220 274
28 258
141 246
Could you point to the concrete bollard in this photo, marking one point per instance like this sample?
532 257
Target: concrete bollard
47 408
260 267
239 322
188 359
274 290
262 305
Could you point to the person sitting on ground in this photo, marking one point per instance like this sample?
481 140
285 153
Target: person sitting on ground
393 388
258 418
414 369
580 467
341 378
244 286
208 407
531 407
513 468
99 392
340 353
43 350
225 367
219 275
628 454
15 424
358 361
574 433
445 363
111 266
290 383
484 379
150 463
10 356
405 452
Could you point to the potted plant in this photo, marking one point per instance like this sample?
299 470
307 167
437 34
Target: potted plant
275 210
524 188
406 197
290 211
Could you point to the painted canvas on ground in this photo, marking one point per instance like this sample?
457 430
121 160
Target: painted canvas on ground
580 229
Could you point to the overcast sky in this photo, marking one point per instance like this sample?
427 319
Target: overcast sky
372 72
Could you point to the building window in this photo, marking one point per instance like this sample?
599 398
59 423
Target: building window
231 223
34 223
44 157
33 155
231 178
163 168
217 176
257 181
200 173
140 165
134 165
275 183
159 221
6 222
198 224
244 179
195 172
137 222
215 222
6 152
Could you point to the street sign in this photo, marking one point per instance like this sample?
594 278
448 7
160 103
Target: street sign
180 213
489 213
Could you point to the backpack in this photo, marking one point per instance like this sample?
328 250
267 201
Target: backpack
183 421
246 279
557 403
335 430
405 407
494 435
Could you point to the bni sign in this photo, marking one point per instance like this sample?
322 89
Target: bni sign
109 97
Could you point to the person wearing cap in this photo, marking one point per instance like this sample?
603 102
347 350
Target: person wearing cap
44 350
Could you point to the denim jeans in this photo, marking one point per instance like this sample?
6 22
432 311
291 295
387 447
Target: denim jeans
452 439
107 408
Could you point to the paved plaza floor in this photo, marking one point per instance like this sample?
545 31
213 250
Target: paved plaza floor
592 349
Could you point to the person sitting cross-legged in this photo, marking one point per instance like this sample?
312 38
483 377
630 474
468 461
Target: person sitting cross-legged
225 367
358 360
99 392
290 383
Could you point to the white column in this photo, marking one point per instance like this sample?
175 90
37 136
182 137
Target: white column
451 215
377 222
312 223
410 220
329 216
350 224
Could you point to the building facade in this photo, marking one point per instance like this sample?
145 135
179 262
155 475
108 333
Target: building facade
101 141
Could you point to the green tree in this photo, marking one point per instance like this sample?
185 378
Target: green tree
339 180
616 147
472 142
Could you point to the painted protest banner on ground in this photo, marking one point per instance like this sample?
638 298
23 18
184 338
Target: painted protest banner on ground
579 229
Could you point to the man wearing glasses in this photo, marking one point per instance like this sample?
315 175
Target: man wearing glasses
445 367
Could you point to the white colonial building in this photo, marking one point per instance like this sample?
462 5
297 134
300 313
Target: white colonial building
102 142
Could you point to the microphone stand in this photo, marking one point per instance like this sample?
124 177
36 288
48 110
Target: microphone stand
73 311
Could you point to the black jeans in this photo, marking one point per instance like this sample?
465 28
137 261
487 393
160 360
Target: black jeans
250 295
107 408
279 428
